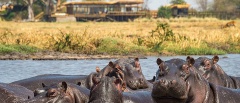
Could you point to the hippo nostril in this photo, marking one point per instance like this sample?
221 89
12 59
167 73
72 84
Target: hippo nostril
173 82
162 81
141 80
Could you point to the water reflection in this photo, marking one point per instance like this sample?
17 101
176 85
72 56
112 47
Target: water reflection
12 70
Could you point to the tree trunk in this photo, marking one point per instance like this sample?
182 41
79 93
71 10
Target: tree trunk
58 4
30 10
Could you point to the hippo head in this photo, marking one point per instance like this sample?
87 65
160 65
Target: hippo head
106 90
41 90
206 66
60 93
128 70
134 77
171 80
45 88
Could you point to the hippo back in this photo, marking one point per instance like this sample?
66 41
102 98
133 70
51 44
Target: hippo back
62 93
11 93
49 79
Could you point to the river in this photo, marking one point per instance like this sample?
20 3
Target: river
13 70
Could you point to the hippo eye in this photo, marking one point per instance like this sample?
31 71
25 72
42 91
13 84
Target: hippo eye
51 93
161 74
182 74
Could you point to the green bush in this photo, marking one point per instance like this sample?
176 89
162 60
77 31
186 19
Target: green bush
164 12
9 16
4 49
118 46
163 33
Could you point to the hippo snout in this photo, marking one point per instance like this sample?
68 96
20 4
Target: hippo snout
167 83
139 83
134 82
142 83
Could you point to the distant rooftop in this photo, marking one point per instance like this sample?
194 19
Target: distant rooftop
101 2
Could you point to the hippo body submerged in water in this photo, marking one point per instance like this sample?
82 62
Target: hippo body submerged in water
213 72
62 93
49 79
109 90
11 93
130 72
184 84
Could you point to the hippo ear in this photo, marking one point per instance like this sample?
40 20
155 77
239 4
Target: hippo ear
137 64
154 77
136 59
111 64
98 69
159 61
118 67
215 59
190 61
188 58
43 85
161 66
79 83
64 86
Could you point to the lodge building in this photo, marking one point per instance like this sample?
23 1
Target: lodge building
103 10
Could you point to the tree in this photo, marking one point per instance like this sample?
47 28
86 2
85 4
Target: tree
164 12
30 9
203 4
178 2
145 5
224 5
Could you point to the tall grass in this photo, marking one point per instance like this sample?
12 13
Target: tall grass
189 36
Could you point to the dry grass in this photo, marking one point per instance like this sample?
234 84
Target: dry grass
45 35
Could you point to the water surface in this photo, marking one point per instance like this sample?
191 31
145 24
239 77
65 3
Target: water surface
13 70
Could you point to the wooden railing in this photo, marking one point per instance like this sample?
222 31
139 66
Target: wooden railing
220 15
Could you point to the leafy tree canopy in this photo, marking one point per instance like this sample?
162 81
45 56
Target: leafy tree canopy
178 2
164 12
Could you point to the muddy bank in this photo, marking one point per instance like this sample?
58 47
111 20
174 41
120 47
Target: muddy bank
62 56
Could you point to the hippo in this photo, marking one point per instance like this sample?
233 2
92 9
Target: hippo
49 79
12 93
176 61
109 90
184 84
129 70
213 73
62 93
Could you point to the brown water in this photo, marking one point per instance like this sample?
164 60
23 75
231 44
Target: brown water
12 70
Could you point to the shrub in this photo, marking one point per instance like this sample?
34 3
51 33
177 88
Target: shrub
17 48
164 12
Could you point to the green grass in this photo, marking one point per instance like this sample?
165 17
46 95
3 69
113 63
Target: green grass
4 49
118 46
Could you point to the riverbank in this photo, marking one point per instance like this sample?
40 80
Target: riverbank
175 36
48 55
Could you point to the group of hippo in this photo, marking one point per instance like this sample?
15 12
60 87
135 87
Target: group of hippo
191 80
